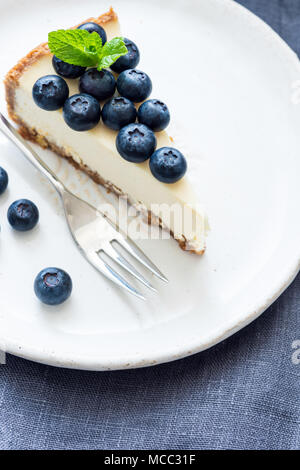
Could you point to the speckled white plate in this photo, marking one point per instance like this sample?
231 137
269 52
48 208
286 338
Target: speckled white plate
231 84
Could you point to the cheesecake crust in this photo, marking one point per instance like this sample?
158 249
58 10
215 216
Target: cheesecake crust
11 82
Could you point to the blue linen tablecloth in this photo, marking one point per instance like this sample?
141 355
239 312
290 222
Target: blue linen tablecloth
242 394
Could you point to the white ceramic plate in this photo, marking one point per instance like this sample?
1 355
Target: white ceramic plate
231 84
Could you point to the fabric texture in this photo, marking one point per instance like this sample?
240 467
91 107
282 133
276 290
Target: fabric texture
242 394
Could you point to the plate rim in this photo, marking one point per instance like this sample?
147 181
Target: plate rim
86 362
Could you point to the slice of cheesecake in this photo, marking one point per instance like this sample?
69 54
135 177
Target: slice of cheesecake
94 151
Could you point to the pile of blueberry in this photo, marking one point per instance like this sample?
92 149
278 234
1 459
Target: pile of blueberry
136 142
52 286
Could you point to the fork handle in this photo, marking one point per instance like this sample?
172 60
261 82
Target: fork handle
9 131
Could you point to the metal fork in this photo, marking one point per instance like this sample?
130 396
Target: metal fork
95 236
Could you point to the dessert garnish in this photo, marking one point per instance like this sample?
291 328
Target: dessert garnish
82 112
50 92
76 49
118 112
134 85
3 180
128 61
101 85
136 143
92 27
154 114
23 215
67 70
168 165
81 48
53 286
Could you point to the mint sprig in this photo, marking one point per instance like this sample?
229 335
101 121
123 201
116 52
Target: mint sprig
79 47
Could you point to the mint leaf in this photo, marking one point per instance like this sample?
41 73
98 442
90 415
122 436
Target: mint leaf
111 51
76 46
79 47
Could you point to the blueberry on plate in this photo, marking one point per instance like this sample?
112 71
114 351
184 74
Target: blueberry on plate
67 70
53 286
23 215
128 61
118 112
94 27
136 143
168 165
3 180
154 114
134 85
50 92
82 112
101 85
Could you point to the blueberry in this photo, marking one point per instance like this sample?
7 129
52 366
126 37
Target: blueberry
134 85
53 286
154 114
101 85
136 143
67 70
168 165
118 112
23 215
50 92
82 112
3 180
128 61
94 27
